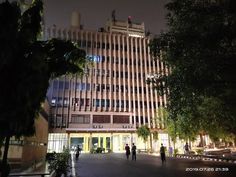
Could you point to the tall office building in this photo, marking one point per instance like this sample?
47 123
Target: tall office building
105 106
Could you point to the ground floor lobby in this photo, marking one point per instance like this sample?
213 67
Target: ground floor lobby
109 141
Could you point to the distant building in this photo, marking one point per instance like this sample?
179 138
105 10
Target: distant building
28 151
104 107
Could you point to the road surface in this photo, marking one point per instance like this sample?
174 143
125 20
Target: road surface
116 165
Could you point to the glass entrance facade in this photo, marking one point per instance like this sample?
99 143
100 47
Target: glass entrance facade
114 142
74 142
110 142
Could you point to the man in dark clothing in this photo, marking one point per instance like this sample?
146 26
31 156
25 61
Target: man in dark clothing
186 148
163 155
78 150
127 151
133 152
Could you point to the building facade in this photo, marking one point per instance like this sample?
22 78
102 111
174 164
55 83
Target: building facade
25 152
104 107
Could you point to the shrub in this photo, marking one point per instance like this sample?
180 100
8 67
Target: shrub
199 151
92 150
60 163
50 156
99 150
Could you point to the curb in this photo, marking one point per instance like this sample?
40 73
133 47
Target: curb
207 158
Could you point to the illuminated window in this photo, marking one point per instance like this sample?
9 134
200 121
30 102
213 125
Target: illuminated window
53 101
94 58
66 102
60 102
57 141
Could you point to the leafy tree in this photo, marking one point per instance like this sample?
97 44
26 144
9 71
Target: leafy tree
200 49
172 130
155 135
26 66
161 116
143 132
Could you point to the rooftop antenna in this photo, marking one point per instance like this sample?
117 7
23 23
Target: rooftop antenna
75 19
129 19
113 15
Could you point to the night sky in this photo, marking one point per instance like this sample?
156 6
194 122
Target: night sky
94 13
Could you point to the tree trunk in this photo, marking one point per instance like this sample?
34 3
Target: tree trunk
169 141
201 140
234 145
190 144
5 165
175 138
151 142
7 140
1 144
174 151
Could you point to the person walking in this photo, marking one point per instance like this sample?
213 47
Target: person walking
78 151
127 151
162 152
133 152
186 148
170 151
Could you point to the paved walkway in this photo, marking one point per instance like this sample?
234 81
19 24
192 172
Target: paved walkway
116 165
